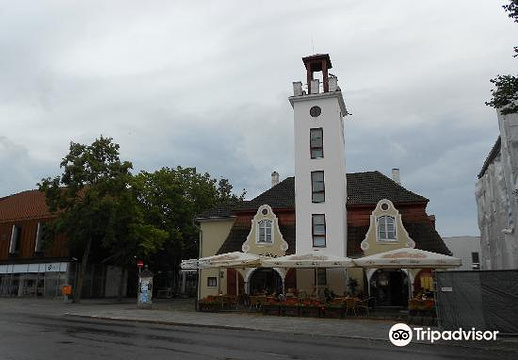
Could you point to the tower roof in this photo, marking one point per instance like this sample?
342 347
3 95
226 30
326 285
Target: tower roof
315 62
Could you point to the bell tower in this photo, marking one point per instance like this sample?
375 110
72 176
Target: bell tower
320 179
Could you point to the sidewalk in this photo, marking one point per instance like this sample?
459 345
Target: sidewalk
181 312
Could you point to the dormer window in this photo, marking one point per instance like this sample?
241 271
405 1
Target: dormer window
386 228
264 236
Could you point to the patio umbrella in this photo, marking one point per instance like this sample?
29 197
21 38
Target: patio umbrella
312 259
227 260
408 258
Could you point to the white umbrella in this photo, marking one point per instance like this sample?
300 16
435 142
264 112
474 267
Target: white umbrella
408 258
227 260
312 259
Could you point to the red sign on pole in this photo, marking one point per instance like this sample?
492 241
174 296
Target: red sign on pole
140 264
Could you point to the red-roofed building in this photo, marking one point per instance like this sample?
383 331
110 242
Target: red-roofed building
27 266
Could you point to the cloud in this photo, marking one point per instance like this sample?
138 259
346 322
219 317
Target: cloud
206 84
19 170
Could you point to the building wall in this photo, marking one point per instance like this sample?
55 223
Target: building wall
27 238
213 234
497 203
462 247
359 215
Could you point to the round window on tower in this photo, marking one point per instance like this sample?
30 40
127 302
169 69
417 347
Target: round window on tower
315 111
384 206
265 212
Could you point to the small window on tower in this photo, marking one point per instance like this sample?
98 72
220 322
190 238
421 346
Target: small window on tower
317 187
316 141
319 230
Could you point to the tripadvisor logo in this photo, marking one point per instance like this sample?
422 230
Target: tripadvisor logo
401 335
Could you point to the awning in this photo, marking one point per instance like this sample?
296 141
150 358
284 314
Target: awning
408 258
312 259
227 260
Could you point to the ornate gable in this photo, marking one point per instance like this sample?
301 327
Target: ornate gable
386 231
265 236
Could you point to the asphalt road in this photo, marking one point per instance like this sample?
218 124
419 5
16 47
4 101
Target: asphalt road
46 336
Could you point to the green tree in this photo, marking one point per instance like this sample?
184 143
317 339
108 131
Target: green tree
95 206
171 199
505 93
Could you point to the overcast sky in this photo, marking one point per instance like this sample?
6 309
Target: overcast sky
206 84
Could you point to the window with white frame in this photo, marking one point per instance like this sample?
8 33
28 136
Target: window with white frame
386 228
264 235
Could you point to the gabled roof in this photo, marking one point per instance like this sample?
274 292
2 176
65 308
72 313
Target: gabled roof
364 188
24 206
495 151
218 212
240 231
423 233
280 196
368 188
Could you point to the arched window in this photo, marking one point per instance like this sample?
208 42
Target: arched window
386 228
265 232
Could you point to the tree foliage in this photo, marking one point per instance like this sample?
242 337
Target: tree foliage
95 206
100 205
171 199
505 94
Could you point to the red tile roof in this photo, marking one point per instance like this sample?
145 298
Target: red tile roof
23 206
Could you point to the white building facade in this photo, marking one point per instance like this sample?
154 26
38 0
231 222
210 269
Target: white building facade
466 248
497 199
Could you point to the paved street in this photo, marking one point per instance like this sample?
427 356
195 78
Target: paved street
46 329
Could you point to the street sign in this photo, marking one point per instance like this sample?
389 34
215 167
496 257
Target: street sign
140 264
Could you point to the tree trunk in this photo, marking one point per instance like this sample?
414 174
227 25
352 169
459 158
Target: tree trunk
82 270
121 285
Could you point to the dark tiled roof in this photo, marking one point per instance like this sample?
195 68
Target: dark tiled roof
424 235
240 231
370 187
23 206
355 236
491 156
235 238
280 196
221 211
365 188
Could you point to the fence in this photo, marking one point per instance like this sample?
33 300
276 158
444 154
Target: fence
485 300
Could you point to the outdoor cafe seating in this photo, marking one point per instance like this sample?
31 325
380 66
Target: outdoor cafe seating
291 304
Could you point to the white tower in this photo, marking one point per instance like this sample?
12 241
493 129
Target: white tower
320 180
